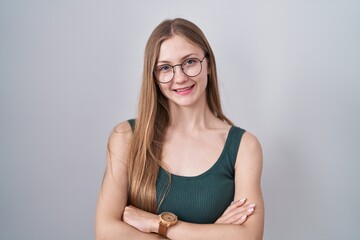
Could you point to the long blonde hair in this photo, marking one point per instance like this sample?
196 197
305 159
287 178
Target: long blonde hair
154 116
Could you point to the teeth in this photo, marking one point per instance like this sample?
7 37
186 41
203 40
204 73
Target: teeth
183 89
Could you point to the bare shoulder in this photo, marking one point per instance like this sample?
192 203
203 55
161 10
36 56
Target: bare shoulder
250 151
121 131
123 127
119 140
249 142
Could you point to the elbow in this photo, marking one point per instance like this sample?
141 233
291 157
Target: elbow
257 236
99 237
109 230
252 237
249 233
100 232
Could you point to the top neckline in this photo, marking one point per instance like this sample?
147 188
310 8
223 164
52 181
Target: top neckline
208 171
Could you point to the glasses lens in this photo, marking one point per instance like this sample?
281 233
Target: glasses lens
191 67
164 73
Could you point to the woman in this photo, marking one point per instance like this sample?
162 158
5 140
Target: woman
181 155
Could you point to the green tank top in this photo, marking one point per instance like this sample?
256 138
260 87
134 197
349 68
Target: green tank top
202 198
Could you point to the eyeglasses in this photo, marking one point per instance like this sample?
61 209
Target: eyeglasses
191 67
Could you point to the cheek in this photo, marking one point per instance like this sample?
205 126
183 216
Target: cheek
204 77
163 88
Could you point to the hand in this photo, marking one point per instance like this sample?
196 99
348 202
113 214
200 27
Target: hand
236 213
141 220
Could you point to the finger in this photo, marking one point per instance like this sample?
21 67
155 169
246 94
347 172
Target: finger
239 202
248 207
238 209
246 210
235 214
235 205
241 220
245 216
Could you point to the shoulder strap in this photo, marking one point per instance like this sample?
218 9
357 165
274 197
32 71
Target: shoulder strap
234 143
132 123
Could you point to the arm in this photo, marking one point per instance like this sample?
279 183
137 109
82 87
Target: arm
113 193
248 170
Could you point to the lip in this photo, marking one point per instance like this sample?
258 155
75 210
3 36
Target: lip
184 90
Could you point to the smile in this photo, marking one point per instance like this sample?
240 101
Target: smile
180 90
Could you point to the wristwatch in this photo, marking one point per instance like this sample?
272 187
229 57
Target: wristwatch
167 219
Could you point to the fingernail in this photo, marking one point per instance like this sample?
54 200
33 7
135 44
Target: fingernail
243 217
252 205
242 200
232 203
250 210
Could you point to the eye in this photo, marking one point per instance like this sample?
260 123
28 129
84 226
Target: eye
164 68
190 62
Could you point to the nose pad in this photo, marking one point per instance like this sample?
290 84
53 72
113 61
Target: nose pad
179 75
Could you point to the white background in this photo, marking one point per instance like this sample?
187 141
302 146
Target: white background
70 70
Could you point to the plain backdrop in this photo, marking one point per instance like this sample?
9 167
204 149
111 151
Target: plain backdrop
289 72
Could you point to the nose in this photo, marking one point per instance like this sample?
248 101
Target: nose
179 75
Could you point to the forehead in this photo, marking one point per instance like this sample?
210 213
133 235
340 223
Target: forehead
176 47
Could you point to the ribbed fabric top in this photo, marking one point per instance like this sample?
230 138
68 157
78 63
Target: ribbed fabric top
202 198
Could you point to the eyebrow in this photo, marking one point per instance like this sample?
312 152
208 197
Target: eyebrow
181 60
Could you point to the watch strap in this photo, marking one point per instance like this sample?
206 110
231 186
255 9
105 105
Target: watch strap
162 229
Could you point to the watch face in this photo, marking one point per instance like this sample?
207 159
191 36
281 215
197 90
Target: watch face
168 217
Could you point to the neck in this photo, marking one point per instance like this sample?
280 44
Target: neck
190 118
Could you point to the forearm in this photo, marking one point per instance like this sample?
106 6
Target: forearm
190 231
252 229
118 230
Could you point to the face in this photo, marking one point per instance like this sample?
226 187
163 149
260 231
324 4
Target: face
182 90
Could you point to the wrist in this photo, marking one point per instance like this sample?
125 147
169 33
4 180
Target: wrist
154 225
166 220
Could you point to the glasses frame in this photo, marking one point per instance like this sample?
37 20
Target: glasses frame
182 69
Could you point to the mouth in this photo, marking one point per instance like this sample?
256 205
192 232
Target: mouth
180 90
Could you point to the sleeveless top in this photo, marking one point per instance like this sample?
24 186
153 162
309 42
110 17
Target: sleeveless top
202 198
